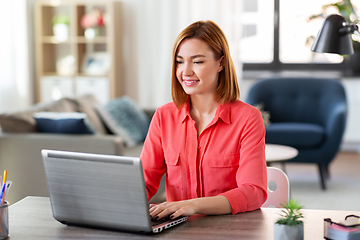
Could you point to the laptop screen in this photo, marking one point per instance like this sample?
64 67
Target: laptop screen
97 190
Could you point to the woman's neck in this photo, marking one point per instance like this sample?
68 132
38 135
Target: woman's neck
203 105
202 110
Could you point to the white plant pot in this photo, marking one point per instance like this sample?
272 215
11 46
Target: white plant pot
91 33
61 32
284 232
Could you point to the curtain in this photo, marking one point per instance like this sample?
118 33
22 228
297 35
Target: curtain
15 89
159 23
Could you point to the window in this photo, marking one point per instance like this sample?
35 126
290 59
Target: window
257 42
295 30
275 35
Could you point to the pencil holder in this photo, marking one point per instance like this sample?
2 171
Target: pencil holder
4 220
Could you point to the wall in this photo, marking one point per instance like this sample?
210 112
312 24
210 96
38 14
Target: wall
352 132
31 45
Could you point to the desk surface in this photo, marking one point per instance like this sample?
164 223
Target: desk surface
31 218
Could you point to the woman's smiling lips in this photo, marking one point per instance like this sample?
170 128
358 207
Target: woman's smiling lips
190 82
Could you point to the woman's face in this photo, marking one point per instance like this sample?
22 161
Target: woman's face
197 70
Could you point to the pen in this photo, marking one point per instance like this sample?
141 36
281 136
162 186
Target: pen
8 185
2 194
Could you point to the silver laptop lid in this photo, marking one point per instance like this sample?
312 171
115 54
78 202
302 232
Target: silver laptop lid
97 190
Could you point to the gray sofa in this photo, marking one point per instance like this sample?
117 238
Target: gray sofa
20 148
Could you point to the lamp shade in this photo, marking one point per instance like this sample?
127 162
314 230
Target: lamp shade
331 39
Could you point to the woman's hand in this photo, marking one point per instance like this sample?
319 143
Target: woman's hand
208 206
173 209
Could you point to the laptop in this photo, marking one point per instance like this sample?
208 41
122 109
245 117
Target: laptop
100 191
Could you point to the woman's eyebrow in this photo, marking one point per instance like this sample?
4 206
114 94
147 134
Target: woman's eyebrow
192 57
197 56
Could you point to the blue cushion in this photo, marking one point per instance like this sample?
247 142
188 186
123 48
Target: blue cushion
123 117
63 122
298 135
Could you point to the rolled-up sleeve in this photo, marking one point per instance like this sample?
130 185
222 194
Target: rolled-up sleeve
251 176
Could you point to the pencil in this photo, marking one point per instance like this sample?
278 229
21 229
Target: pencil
5 176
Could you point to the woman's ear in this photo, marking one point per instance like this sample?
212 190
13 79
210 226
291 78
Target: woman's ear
221 66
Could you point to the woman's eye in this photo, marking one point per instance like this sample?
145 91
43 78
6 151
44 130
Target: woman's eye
179 62
198 62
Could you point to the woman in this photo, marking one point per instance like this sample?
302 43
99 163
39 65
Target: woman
210 145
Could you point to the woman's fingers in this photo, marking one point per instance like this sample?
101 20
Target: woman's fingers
160 210
172 209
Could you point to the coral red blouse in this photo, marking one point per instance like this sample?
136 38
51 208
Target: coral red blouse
228 158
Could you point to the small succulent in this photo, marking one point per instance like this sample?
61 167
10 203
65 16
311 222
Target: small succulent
292 214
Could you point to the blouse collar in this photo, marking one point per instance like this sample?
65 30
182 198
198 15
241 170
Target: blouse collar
223 112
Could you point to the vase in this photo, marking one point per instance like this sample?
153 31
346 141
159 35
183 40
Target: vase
61 31
91 33
284 232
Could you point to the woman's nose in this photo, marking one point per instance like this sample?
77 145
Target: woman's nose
188 71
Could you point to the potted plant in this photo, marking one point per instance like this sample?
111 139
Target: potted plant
348 11
92 22
61 27
289 226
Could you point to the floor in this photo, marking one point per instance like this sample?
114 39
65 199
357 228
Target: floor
343 187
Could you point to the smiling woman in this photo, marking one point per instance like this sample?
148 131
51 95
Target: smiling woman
210 144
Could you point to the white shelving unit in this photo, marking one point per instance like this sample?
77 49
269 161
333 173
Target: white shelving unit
60 63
